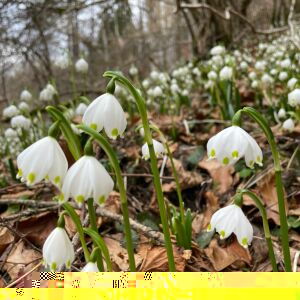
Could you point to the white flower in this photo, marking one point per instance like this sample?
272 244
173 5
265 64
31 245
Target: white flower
267 79
283 76
106 111
75 129
244 65
62 62
288 124
26 96
252 75
81 66
217 50
24 106
81 108
260 65
146 83
231 219
291 83
58 250
196 72
294 98
281 113
154 75
157 91
158 149
254 84
133 71
90 267
226 73
174 88
10 111
42 160
273 72
20 122
48 93
285 63
10 133
212 75
217 60
233 143
87 178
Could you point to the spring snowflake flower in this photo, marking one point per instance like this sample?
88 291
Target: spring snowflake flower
33 167
252 75
244 65
25 96
231 219
154 75
294 98
288 124
48 93
81 108
286 63
283 76
81 66
157 91
62 62
226 73
23 106
133 71
158 149
233 143
87 178
254 84
10 133
58 250
217 50
20 122
267 79
10 111
291 83
90 267
281 113
260 65
106 111
212 75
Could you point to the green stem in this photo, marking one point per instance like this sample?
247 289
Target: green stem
93 222
263 213
79 228
124 205
259 119
99 241
174 171
140 102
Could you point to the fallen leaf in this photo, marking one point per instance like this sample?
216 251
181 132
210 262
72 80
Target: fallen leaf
118 254
221 175
187 179
233 255
21 258
6 237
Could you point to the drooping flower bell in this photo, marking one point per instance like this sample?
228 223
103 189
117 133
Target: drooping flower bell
231 219
58 250
158 149
90 267
25 96
294 98
10 111
20 122
87 178
81 66
42 160
226 73
233 143
106 111
288 124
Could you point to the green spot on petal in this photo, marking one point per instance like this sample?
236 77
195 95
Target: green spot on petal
101 199
114 132
61 197
225 160
68 264
93 126
57 180
212 153
53 266
31 177
20 173
245 242
258 159
222 234
209 227
79 198
235 154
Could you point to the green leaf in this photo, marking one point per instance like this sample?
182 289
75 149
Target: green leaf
293 221
148 220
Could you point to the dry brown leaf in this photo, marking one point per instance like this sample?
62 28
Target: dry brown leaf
6 237
233 255
118 254
113 203
155 259
221 175
37 228
18 195
294 212
187 179
21 258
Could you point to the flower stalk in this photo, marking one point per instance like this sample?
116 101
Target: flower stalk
259 119
140 102
114 161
